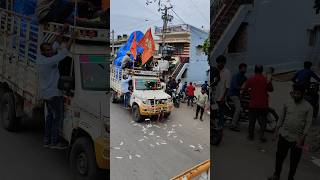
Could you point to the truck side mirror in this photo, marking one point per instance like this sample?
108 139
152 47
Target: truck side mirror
66 84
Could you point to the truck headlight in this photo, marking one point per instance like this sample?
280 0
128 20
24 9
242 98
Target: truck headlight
146 101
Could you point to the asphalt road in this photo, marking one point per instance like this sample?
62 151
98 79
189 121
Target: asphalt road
237 158
163 151
23 157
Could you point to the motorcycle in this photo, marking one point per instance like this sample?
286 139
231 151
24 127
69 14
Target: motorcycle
176 98
312 96
272 116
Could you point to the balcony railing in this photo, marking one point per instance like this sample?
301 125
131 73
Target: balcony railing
170 29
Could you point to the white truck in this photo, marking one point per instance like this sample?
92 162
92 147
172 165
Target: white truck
86 105
145 101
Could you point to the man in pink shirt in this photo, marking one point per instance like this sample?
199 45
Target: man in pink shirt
258 87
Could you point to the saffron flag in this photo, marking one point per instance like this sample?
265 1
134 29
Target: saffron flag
147 43
133 47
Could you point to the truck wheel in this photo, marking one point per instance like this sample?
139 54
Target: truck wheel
83 160
136 113
113 97
8 115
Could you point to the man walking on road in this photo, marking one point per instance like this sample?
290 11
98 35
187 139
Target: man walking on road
222 87
49 76
202 100
190 94
258 107
125 90
294 124
234 93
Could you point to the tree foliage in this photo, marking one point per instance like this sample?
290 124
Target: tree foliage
206 46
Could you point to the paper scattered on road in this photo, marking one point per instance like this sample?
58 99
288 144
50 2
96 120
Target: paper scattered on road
200 147
157 143
151 134
192 146
180 125
138 156
163 143
135 124
174 125
130 157
174 136
151 145
141 140
145 137
116 148
158 136
121 143
199 128
181 141
119 157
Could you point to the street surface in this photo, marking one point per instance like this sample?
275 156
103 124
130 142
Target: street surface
236 158
22 156
157 150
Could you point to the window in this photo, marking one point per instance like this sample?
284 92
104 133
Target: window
94 72
238 43
146 84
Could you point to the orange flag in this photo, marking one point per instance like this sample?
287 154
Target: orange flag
147 43
133 47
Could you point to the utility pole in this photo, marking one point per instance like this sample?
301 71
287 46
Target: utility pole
112 42
163 8
166 18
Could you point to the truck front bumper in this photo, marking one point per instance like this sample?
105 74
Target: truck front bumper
147 110
102 152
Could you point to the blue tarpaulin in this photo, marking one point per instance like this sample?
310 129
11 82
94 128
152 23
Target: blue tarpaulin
25 7
123 50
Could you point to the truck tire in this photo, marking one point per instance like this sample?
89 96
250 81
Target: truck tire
136 116
113 97
83 160
8 114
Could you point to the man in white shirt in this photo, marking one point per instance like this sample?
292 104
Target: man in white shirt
222 87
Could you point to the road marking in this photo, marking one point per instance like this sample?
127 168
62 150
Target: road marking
316 161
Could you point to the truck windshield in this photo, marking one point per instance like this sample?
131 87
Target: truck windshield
146 84
94 72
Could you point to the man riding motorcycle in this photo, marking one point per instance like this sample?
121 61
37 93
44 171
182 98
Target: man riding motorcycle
303 78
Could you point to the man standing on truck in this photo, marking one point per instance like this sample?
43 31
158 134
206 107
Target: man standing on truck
49 76
125 90
126 61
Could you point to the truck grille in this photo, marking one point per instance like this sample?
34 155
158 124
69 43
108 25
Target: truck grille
157 101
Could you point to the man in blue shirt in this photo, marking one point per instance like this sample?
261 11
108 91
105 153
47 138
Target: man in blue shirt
303 77
205 86
49 76
234 94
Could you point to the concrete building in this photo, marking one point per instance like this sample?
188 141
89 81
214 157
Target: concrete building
275 33
187 42
118 43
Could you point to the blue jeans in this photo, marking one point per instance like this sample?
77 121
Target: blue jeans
221 111
126 99
54 117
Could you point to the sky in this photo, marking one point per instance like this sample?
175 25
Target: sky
130 15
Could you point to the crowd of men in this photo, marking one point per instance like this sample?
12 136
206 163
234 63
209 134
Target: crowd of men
296 114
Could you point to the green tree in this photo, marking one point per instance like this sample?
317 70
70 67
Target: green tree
206 46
